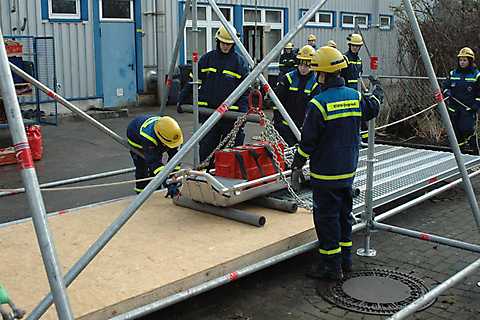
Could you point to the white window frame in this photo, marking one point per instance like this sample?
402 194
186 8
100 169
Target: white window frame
52 15
209 24
317 22
352 25
262 22
100 3
387 27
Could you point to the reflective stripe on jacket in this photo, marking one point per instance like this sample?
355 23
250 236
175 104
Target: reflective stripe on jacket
351 73
464 85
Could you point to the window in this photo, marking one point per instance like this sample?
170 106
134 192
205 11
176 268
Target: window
208 24
322 19
116 10
349 20
385 22
64 9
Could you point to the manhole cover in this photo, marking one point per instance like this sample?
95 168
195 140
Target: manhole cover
377 291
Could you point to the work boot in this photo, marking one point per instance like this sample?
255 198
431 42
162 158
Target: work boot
347 267
319 271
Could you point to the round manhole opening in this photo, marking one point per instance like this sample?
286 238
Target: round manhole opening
377 291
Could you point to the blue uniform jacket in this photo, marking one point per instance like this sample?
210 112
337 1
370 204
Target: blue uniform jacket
295 91
141 135
330 135
352 72
220 74
464 85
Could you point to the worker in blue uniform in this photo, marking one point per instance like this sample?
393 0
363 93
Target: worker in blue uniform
330 140
295 90
354 68
463 88
287 61
220 72
153 136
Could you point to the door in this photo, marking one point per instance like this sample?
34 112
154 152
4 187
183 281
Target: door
254 45
117 40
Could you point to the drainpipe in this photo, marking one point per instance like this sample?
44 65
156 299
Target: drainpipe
160 18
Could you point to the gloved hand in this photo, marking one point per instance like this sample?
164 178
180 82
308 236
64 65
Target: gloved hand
297 173
373 80
179 108
447 93
378 93
173 189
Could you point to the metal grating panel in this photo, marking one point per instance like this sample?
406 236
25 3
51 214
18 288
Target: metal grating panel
398 172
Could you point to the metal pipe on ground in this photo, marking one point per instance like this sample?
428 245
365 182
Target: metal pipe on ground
72 180
276 204
231 115
436 292
120 221
70 106
427 237
229 213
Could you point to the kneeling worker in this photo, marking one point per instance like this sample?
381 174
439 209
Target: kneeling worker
330 139
295 90
153 136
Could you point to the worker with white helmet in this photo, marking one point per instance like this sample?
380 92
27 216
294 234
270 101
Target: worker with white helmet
463 88
312 41
153 136
294 90
221 71
330 140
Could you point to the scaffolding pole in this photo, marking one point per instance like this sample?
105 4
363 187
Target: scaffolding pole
195 58
173 60
108 234
436 292
70 106
443 109
251 63
30 180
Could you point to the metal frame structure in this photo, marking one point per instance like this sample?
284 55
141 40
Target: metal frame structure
58 283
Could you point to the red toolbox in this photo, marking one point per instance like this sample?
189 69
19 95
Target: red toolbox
248 162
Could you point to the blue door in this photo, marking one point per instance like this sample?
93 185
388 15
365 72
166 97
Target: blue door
117 40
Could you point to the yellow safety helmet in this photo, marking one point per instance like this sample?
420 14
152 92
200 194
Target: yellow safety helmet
169 132
355 39
312 37
289 46
331 43
223 36
467 53
328 59
306 53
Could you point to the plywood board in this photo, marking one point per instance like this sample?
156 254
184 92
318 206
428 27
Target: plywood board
163 249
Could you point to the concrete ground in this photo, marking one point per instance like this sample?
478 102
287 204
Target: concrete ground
75 149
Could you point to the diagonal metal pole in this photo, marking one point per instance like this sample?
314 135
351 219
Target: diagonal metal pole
173 60
70 106
443 109
30 180
108 234
250 61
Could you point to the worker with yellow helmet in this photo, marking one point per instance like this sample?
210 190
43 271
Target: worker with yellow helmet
312 41
221 71
354 68
288 60
463 89
153 136
330 140
294 90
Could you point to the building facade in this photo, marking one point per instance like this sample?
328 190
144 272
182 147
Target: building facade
104 48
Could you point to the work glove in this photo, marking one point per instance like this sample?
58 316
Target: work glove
447 93
173 189
297 177
378 93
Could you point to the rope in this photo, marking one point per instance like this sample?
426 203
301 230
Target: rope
404 119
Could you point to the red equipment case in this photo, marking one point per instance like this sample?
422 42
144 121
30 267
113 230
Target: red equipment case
247 162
